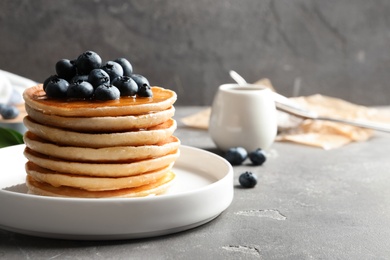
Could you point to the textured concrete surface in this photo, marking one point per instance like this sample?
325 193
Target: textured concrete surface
336 48
308 204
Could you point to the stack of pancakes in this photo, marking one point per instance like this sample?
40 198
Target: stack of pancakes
95 149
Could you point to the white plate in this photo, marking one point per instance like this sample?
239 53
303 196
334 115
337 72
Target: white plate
203 189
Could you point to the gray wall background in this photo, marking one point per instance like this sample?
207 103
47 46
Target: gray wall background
333 47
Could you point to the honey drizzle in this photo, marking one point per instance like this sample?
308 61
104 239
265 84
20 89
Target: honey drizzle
159 95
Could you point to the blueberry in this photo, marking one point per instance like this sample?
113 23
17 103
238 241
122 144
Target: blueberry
48 80
145 91
247 180
98 77
140 80
80 89
257 157
126 66
113 69
57 88
236 155
65 69
107 92
9 112
78 78
126 86
88 61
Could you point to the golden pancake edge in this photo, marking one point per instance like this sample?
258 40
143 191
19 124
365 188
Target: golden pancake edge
94 183
103 123
62 136
159 187
104 154
98 169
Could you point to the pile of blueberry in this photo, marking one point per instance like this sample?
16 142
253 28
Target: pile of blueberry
87 77
237 155
8 111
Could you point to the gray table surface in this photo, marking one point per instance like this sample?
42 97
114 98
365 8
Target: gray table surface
309 204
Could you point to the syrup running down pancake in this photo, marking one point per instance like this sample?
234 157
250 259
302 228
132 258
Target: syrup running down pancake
103 123
36 98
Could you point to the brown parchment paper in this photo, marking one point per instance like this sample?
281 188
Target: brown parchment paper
323 134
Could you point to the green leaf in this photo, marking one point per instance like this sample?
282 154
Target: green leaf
10 137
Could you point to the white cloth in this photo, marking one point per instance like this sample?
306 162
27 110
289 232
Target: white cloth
12 87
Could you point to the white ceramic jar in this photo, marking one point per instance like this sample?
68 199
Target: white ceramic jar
243 115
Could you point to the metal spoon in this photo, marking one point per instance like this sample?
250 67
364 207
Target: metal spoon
284 104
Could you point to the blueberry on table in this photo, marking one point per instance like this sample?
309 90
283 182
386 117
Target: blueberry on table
80 89
57 88
65 69
9 112
126 86
88 61
257 157
98 77
107 92
236 155
126 66
113 69
247 180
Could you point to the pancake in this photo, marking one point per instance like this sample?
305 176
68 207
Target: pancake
35 97
102 123
105 154
147 136
97 169
156 188
86 148
94 183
